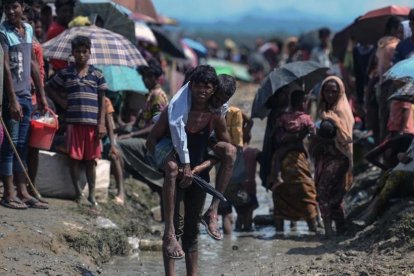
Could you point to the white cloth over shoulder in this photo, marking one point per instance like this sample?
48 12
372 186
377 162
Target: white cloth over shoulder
178 109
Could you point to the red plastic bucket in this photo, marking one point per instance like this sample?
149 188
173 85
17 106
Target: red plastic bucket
42 133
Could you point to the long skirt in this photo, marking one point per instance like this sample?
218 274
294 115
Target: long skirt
331 177
295 198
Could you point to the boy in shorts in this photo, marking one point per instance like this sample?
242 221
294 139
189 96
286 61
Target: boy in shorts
85 87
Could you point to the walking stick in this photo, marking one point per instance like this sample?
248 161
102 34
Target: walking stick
35 191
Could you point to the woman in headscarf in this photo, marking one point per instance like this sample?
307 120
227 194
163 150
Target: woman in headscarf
333 157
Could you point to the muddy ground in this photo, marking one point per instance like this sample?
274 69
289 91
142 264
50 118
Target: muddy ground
72 240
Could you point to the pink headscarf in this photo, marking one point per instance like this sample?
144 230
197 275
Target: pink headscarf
341 115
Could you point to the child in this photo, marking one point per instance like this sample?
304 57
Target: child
111 153
251 157
85 87
296 122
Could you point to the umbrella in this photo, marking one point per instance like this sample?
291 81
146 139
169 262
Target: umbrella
145 7
123 78
115 17
167 42
236 70
197 47
305 73
136 16
370 27
206 187
340 43
108 48
144 33
165 20
405 93
309 40
401 70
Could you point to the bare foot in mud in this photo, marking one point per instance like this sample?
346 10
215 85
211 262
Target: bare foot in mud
119 201
171 247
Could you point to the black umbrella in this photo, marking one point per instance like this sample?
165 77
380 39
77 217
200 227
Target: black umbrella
303 73
206 187
404 93
167 42
114 16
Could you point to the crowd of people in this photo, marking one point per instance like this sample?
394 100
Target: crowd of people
172 143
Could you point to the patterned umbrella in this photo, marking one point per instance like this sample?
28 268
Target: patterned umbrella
108 48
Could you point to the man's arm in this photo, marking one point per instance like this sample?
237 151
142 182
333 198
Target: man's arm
15 109
35 73
54 96
220 128
102 112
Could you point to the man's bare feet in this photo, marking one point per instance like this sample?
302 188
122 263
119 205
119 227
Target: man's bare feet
171 247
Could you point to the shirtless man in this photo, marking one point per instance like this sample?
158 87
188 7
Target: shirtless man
200 123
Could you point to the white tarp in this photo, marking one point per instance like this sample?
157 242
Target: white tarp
53 177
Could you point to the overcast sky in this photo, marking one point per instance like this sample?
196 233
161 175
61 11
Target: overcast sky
212 10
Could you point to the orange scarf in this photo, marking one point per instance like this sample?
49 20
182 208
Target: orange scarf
341 115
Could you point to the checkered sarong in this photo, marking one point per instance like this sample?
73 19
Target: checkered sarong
107 48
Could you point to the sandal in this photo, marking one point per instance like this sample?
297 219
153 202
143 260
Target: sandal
13 203
174 248
209 220
35 204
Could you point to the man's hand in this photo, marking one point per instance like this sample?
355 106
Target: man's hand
114 153
187 176
101 131
43 105
15 110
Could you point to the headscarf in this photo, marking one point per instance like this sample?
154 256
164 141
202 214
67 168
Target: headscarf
341 116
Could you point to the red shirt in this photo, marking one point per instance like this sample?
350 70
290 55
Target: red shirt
54 30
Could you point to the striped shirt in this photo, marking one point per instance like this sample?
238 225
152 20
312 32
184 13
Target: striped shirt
82 94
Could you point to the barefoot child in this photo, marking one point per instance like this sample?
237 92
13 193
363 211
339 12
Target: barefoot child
85 113
251 158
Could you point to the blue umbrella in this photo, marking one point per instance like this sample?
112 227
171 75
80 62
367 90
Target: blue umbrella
401 70
123 78
197 47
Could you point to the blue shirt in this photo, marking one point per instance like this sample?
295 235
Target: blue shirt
19 50
82 94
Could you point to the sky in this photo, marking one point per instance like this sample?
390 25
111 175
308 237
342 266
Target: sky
214 10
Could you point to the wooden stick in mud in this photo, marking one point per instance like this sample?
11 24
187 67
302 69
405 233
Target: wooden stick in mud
35 191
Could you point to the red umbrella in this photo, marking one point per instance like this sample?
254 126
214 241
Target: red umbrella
370 27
